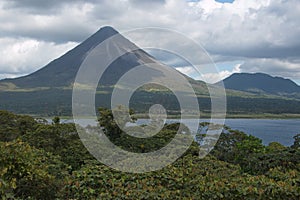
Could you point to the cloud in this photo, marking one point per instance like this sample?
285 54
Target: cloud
187 70
37 6
210 77
263 33
146 3
252 28
69 23
3 76
216 77
18 56
286 68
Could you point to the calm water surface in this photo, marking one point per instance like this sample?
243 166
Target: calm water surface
268 130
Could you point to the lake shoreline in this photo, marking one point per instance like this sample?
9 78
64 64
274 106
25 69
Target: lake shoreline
204 116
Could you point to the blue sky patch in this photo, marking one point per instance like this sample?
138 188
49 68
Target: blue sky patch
225 1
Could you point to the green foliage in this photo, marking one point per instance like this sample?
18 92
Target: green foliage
275 147
58 101
56 120
48 161
188 178
110 127
250 145
176 181
134 144
296 144
59 139
228 145
251 155
12 126
261 163
27 172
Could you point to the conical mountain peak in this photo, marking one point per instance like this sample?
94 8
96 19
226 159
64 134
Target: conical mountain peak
101 35
62 71
107 30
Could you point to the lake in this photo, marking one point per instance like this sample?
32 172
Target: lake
268 130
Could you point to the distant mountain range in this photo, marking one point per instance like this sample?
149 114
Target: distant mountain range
48 91
260 83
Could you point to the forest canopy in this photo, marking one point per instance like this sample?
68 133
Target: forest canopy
40 160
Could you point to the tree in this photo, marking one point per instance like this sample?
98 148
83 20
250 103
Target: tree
275 147
59 139
50 162
26 172
108 123
56 120
226 147
13 126
296 144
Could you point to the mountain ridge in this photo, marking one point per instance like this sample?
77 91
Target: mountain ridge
261 83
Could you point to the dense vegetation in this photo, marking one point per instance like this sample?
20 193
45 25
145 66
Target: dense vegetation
48 161
43 102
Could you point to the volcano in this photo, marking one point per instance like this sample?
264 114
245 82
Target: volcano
48 91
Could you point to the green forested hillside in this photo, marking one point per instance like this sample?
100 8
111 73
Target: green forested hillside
48 161
58 101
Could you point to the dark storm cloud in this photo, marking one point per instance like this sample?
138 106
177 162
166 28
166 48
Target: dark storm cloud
40 5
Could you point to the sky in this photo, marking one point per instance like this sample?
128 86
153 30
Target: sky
240 35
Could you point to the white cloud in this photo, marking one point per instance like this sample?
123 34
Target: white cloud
210 77
186 70
264 33
3 76
216 77
19 56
